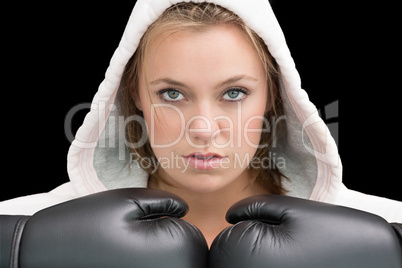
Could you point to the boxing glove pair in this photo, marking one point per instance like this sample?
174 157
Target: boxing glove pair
142 228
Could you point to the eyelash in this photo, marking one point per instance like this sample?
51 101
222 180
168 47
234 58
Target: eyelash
238 89
163 91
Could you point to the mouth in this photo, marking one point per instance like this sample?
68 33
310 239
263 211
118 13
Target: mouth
207 156
204 161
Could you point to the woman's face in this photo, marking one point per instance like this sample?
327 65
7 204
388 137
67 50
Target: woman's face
203 99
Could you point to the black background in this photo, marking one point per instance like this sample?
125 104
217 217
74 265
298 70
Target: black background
55 56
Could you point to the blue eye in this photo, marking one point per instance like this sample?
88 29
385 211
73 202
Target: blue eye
170 95
235 94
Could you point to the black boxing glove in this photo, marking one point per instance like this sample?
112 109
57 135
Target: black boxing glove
398 230
117 228
281 231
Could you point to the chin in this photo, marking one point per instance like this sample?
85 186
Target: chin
206 184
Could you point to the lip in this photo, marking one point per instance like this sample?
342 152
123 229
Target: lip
204 155
204 161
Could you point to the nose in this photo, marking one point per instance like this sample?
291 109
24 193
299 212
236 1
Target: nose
202 127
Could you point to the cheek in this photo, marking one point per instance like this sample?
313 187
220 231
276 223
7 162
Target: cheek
252 131
252 125
165 125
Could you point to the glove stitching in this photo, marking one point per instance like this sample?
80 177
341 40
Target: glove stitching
16 241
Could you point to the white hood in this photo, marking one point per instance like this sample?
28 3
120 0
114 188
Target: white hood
98 159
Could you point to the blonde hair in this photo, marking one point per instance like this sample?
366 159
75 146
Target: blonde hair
200 17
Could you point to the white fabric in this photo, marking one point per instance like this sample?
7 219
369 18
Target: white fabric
97 159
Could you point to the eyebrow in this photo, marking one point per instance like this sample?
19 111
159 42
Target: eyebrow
226 82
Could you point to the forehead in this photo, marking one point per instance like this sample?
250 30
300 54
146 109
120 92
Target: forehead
218 50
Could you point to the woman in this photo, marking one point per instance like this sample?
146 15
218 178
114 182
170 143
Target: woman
203 100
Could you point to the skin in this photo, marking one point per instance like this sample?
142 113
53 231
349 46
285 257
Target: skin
212 93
